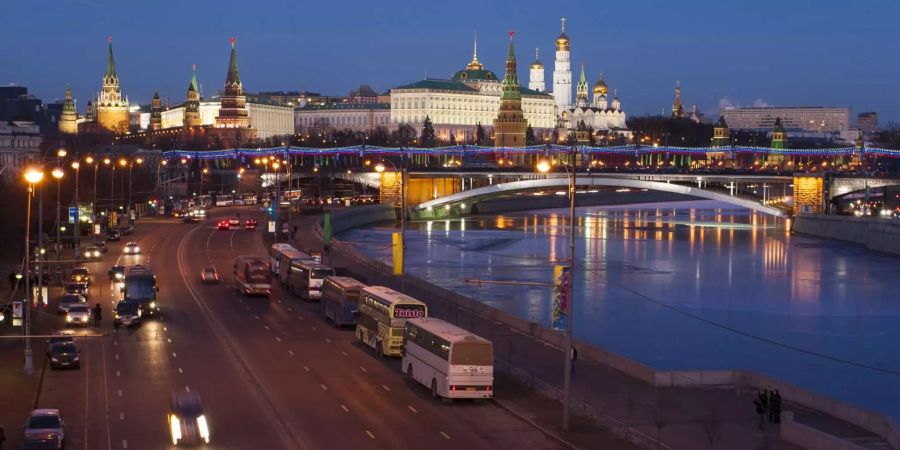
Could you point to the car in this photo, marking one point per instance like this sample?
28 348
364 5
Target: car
250 224
46 422
209 274
80 274
61 336
187 423
41 442
113 235
222 224
238 202
77 288
68 300
101 245
79 315
64 355
132 248
234 222
116 272
92 252
126 230
126 313
190 219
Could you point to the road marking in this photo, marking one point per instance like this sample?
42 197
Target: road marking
306 368
370 434
180 371
324 388
120 392
445 435
279 300
266 327
343 353
291 352
165 329
124 443
412 409
315 329
290 309
328 340
121 416
386 388
345 409
277 338
256 317
300 317
118 374
117 356
115 342
363 369
187 389
169 340
174 355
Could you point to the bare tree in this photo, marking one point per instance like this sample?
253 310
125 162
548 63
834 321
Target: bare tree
660 416
712 426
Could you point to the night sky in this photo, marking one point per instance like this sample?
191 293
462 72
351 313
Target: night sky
780 53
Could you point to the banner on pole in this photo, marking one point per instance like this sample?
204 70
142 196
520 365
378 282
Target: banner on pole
397 240
326 230
73 214
560 307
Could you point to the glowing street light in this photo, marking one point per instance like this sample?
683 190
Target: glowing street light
543 166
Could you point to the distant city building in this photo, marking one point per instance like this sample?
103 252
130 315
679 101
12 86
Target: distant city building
363 95
510 124
20 141
68 121
599 116
111 106
17 104
562 71
267 120
867 122
797 120
470 98
677 107
363 117
536 74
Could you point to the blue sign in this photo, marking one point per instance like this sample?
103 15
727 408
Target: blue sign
73 214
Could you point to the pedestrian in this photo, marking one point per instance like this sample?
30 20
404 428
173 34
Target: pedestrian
294 233
574 357
759 403
2 437
12 280
98 314
776 407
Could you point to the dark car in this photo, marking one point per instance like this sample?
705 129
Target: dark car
44 442
77 288
126 230
127 313
116 272
61 337
250 224
113 235
222 224
93 252
189 218
80 274
209 274
187 423
63 355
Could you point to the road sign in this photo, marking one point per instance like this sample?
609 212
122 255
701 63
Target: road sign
17 314
272 226
73 214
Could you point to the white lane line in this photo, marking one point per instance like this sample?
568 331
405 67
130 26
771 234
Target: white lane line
169 340
165 329
363 369
386 388
256 317
315 329
306 368
328 340
117 356
300 317
345 409
370 434
445 435
291 352
174 355
279 300
290 309
412 409
187 389
324 388
124 443
121 416
120 392
118 374
277 338
115 342
343 353
266 327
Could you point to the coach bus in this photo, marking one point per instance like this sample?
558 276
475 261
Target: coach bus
381 315
306 278
275 256
451 361
252 275
286 261
340 298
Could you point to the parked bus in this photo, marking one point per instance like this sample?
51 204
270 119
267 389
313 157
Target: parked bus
381 315
140 287
275 253
340 297
451 361
286 260
252 275
306 278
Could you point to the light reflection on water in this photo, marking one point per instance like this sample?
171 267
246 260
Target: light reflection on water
698 286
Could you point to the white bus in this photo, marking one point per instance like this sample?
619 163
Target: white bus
306 278
451 361
275 253
381 315
286 260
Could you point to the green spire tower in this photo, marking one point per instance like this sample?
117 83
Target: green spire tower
510 124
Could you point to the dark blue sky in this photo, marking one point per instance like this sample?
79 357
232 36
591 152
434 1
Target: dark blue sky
788 52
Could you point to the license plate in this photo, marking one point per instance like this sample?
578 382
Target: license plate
471 388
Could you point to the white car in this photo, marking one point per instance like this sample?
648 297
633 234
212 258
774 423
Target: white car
68 300
132 248
78 315
46 422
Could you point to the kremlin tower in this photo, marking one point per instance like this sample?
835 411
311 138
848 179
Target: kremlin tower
510 124
68 121
192 103
155 112
536 76
581 91
111 107
600 91
233 113
562 71
677 108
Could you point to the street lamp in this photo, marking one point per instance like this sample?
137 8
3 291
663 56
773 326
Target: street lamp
380 168
544 167
58 174
130 166
32 176
77 228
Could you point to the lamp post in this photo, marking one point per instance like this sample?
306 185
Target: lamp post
277 206
58 174
77 226
130 166
380 169
122 163
544 167
33 177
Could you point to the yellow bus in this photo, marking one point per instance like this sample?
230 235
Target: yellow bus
381 316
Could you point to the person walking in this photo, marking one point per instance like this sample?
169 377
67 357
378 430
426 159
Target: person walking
760 403
98 314
2 437
574 356
775 414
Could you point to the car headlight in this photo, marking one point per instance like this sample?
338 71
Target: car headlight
203 427
175 428
87 254
153 305
118 276
68 318
54 359
84 319
137 249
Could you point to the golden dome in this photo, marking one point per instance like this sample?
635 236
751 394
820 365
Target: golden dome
600 88
562 42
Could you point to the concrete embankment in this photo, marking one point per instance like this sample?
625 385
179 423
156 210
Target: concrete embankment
881 235
483 319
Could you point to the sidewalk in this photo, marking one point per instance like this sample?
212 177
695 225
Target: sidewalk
680 418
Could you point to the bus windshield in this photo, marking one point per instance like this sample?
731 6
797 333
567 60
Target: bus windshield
472 354
140 287
318 274
257 273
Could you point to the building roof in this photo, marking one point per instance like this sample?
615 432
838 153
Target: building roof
434 83
345 106
468 74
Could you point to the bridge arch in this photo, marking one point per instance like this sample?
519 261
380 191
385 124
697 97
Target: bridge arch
495 190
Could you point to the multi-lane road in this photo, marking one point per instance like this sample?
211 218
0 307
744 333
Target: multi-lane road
272 373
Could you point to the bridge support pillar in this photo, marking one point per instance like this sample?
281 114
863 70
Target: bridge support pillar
809 194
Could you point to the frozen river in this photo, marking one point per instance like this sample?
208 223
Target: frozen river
689 285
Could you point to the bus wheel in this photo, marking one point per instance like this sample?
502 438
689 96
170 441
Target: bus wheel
378 350
434 392
409 373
